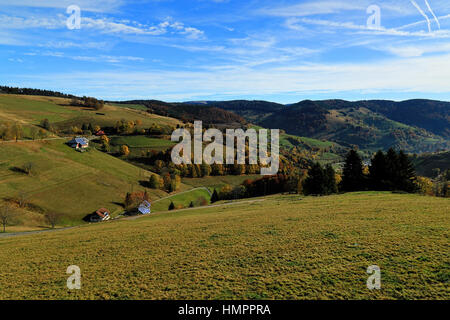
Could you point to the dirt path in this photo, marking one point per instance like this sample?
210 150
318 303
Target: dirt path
176 194
37 140
197 208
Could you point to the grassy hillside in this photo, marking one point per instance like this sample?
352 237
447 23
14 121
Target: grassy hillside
66 181
217 182
182 199
142 143
285 247
30 110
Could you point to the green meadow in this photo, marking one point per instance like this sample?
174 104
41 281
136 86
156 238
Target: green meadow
285 247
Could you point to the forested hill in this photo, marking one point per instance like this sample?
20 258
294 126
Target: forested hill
413 125
34 92
189 113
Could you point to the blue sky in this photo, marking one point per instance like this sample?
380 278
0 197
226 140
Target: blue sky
283 51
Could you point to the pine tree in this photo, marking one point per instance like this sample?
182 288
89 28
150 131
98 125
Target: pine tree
330 180
215 196
316 182
378 171
392 169
352 174
171 206
406 174
191 205
154 182
128 201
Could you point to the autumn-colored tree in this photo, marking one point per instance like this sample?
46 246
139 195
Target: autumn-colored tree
34 133
17 131
154 182
104 139
42 134
167 182
159 164
124 150
134 199
225 192
425 185
202 202
175 183
76 130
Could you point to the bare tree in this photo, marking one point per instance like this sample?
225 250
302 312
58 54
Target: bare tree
52 218
22 199
34 133
28 168
6 214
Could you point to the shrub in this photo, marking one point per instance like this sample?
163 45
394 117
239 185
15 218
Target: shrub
124 150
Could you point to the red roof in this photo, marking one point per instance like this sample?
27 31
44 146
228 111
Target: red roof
102 212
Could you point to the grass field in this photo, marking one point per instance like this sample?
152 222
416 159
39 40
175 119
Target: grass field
217 182
30 110
183 199
137 144
286 247
71 183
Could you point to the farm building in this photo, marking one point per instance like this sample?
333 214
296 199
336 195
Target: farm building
100 215
100 133
144 208
79 143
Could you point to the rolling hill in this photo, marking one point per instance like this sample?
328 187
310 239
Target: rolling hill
284 247
75 184
189 113
414 126
426 164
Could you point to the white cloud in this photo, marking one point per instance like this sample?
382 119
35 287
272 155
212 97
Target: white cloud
426 74
417 50
109 26
9 22
362 29
312 8
85 5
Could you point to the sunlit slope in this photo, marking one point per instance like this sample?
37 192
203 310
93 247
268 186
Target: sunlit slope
285 247
65 181
30 110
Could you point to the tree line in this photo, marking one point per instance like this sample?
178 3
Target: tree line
88 102
389 171
34 92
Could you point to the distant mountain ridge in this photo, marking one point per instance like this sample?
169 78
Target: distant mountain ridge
412 125
415 126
